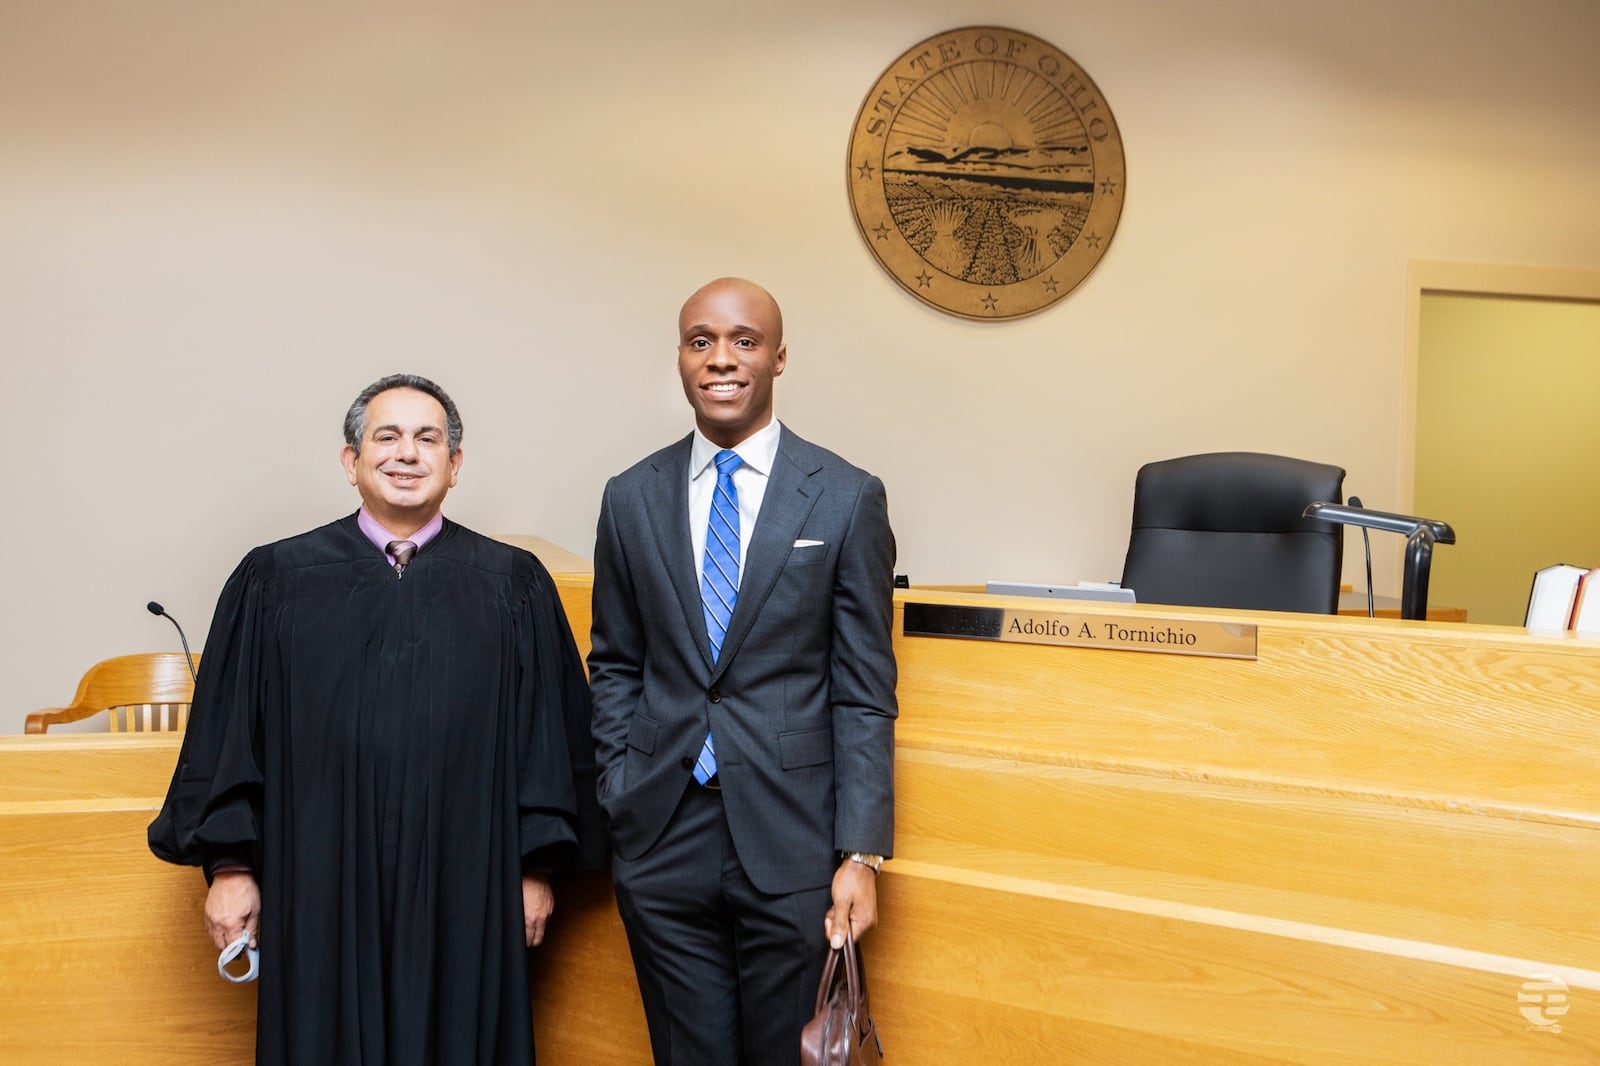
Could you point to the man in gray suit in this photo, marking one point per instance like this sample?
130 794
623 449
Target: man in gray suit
743 681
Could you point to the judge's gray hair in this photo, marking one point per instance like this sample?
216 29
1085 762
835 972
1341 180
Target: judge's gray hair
355 420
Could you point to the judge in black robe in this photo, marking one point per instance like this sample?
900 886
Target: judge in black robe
388 755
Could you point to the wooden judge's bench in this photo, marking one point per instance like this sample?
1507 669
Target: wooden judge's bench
1376 841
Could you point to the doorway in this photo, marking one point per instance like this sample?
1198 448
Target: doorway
1505 420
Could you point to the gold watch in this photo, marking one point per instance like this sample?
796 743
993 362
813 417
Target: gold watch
872 862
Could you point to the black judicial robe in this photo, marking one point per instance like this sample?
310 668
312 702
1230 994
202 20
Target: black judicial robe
388 754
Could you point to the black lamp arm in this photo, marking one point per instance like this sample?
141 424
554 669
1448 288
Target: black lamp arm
1421 535
1403 524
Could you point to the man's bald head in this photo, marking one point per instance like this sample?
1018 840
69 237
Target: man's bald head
758 301
730 350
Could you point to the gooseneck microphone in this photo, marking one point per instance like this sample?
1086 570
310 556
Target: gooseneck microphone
161 612
1366 542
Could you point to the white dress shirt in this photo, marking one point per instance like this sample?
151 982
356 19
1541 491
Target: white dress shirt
759 451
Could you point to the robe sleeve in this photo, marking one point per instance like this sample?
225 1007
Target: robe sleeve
560 823
212 814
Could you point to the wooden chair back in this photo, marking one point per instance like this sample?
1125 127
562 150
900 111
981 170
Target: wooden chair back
141 693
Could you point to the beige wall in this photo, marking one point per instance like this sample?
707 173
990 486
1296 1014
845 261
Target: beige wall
218 221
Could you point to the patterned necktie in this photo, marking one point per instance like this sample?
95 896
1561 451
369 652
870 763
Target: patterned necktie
719 579
402 550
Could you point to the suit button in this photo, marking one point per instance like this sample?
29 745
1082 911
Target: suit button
715 695
688 762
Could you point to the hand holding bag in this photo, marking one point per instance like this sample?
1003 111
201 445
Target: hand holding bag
838 1034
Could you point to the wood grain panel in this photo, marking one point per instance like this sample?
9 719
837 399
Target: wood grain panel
1354 849
103 957
1499 885
968 967
86 771
1438 715
586 1005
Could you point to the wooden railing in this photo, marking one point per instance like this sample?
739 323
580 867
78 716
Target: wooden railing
1374 843
103 955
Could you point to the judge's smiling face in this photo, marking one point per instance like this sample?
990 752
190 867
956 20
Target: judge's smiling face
405 465
730 348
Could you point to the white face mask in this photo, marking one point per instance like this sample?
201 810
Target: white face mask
233 951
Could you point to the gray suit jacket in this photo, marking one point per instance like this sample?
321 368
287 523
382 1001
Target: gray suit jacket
801 700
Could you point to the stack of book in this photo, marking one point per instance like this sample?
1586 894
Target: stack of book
1565 597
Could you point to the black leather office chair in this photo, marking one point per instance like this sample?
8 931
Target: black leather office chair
1225 530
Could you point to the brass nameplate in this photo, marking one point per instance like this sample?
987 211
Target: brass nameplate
1066 629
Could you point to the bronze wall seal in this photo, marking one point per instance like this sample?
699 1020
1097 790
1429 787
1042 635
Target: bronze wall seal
986 172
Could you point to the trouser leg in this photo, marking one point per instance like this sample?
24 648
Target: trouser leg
728 974
780 954
681 937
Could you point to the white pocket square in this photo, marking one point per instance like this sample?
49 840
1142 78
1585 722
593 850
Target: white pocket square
808 544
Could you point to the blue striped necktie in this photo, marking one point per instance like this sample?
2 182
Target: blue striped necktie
719 579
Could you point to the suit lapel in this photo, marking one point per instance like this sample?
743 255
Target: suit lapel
789 498
667 505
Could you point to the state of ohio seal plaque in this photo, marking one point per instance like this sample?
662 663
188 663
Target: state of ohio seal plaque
986 172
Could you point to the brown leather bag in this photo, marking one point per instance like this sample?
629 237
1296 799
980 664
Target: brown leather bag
839 1033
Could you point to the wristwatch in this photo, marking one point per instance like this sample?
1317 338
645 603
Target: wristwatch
872 862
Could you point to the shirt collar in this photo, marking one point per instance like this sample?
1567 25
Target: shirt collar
759 451
381 538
